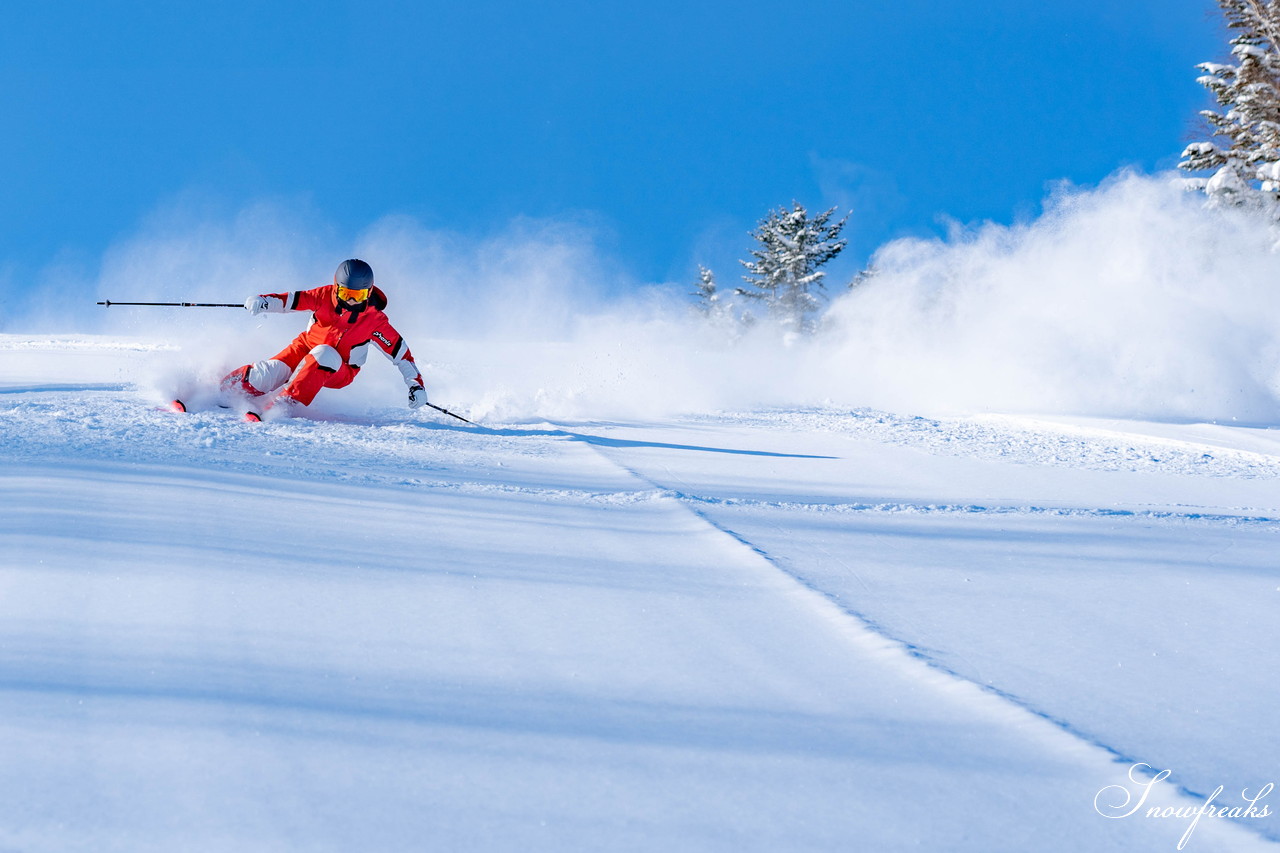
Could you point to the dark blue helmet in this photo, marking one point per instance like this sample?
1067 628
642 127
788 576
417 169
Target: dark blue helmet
354 274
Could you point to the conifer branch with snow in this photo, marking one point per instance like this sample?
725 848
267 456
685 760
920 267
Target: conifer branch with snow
1246 164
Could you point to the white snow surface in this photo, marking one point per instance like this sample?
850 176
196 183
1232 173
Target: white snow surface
773 630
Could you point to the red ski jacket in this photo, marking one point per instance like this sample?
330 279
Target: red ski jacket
349 332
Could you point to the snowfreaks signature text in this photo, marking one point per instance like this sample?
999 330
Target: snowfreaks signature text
1117 802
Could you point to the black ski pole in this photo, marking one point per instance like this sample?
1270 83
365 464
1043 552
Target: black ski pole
109 303
451 414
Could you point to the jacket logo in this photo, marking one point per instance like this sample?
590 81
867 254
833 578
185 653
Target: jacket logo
383 338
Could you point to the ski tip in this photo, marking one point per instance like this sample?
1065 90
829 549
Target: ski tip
178 406
253 417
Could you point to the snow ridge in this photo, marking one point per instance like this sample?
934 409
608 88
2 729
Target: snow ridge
1036 441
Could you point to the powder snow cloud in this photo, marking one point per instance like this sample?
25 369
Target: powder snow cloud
1130 299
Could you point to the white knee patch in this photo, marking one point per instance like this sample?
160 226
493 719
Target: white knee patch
327 357
358 355
268 375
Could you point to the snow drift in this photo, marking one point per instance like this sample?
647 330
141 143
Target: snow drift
1129 299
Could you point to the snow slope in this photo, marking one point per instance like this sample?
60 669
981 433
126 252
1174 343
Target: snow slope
778 630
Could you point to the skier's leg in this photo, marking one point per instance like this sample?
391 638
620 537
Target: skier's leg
254 380
342 377
323 367
263 377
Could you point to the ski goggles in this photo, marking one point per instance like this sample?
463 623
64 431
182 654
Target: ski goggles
347 294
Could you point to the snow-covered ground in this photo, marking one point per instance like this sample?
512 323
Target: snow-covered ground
772 630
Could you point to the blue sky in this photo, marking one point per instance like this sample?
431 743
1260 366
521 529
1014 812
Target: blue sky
669 127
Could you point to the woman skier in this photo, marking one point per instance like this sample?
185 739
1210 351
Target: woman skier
346 319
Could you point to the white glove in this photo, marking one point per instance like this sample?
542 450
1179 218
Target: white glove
255 305
417 396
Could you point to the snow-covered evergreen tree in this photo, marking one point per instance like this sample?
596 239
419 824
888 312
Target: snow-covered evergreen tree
709 302
723 313
786 268
1246 164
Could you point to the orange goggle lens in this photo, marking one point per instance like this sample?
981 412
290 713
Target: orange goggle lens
346 294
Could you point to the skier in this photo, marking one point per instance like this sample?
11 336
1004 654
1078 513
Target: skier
346 319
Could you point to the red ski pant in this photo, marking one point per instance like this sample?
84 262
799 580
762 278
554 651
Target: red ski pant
305 368
310 374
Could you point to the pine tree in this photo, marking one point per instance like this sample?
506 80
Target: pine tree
786 269
709 302
720 312
1248 90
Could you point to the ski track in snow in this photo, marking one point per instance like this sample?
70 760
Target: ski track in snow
1004 440
871 635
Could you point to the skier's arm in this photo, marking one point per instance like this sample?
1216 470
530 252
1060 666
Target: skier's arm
394 347
403 360
281 303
